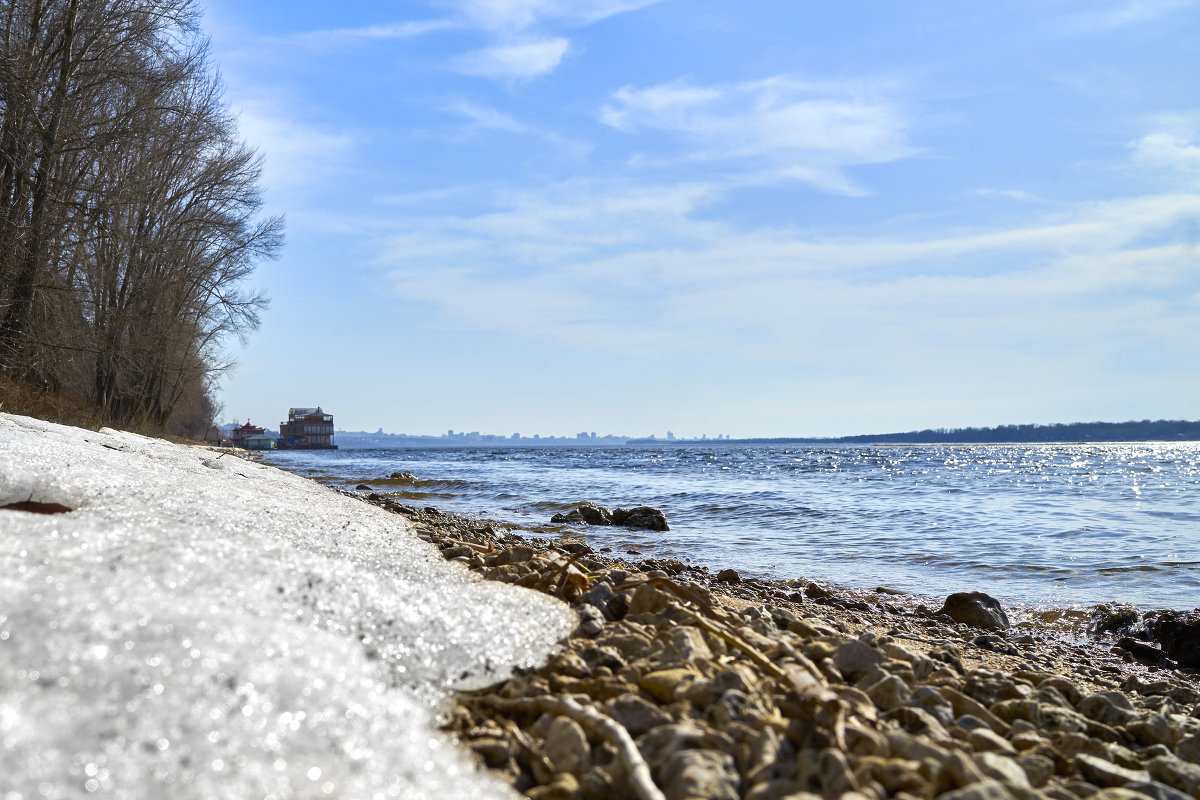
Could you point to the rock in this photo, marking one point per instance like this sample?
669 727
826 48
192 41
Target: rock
1103 773
591 621
1002 768
640 517
985 740
1111 618
1188 748
981 790
362 487
563 787
976 609
1142 653
1175 773
1157 791
649 600
854 659
687 645
406 477
1111 708
890 692
635 714
729 576
699 773
572 517
1038 768
492 750
1179 634
663 685
567 746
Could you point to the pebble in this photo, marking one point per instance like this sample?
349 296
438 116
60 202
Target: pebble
772 696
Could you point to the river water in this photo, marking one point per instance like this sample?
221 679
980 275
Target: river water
1038 525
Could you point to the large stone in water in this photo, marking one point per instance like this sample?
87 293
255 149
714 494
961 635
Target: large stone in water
977 609
1179 634
644 517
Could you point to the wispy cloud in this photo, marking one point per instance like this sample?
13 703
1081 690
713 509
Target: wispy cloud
296 153
1169 152
393 31
524 60
637 272
1126 12
790 129
521 15
1020 195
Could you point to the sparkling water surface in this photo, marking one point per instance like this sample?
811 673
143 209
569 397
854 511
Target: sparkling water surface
1040 525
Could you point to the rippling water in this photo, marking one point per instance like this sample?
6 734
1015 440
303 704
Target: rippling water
1030 524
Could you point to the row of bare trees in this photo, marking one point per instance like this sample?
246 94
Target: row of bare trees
130 209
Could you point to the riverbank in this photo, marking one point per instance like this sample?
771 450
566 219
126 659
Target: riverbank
679 682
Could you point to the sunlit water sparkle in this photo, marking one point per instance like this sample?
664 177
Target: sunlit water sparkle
1057 524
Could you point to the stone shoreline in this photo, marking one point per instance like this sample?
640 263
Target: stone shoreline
680 683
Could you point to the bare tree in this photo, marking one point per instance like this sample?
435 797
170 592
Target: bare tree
130 213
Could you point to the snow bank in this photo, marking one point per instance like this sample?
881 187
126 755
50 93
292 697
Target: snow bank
203 626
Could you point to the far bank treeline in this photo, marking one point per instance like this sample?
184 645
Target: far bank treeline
1144 431
130 211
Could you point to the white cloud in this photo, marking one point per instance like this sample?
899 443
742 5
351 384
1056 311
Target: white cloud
1169 152
632 271
1020 195
525 60
394 31
520 15
1127 12
780 127
296 153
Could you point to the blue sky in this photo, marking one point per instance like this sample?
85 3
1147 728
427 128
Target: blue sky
763 218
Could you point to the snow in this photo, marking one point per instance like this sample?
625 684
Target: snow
200 626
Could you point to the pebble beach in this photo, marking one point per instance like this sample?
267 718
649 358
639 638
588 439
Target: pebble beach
683 683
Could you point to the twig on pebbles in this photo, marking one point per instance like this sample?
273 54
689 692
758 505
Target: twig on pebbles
600 724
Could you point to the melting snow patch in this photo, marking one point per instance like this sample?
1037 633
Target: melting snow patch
199 626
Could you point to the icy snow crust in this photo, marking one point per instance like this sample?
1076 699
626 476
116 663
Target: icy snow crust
204 626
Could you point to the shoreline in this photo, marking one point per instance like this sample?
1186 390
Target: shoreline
706 674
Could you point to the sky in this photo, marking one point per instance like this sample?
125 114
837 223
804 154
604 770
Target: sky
755 219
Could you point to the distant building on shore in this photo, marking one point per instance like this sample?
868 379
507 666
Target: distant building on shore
307 429
240 434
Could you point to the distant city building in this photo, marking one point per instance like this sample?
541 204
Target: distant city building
670 436
307 429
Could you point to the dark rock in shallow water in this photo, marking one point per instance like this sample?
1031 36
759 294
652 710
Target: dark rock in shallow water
729 576
1143 653
650 519
1119 620
362 487
975 608
591 514
1179 634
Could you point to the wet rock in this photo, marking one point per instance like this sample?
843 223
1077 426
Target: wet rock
567 746
1179 634
642 517
700 773
977 609
1141 652
362 487
729 576
1112 619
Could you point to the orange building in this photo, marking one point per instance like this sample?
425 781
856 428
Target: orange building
307 429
